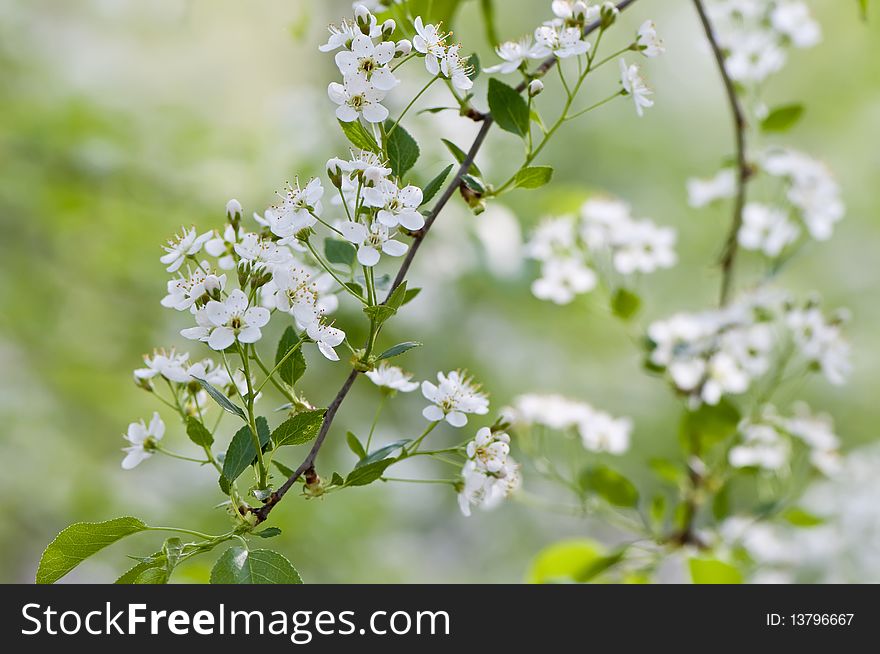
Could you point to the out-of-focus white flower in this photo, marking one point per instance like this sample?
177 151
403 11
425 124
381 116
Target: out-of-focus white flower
821 341
634 86
563 279
641 246
143 441
489 450
489 475
392 377
601 432
371 241
355 98
762 447
766 229
793 19
648 43
454 396
168 364
705 191
513 54
187 244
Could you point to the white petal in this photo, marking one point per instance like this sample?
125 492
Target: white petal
367 255
328 352
256 316
221 338
346 114
133 457
237 301
336 92
354 232
432 413
456 419
394 248
411 219
375 112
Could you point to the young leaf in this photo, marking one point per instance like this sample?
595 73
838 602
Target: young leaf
801 518
283 469
410 295
460 155
299 429
610 485
713 571
240 566
157 560
625 304
359 136
337 251
355 445
337 480
508 108
78 542
198 433
240 453
398 349
382 453
783 118
222 400
565 561
403 151
367 474
268 532
709 424
533 176
295 365
433 187
380 313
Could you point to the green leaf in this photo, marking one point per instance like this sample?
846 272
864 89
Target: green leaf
198 433
667 470
382 453
283 469
268 532
863 8
299 429
222 400
396 350
337 251
355 445
367 474
713 571
410 295
610 485
487 10
240 454
533 176
295 365
433 187
78 542
157 560
721 503
434 11
579 559
709 424
801 518
625 304
359 136
395 300
508 108
337 480
657 510
380 313
240 566
403 151
474 183
153 575
781 119
460 156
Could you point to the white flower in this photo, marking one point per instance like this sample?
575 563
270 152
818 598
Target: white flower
635 86
454 396
186 244
392 377
222 247
553 411
554 237
766 229
762 447
371 241
364 164
561 41
233 320
295 292
261 253
326 337
169 365
705 191
484 489
647 42
488 450
343 34
430 42
368 61
816 430
601 432
641 246
513 54
793 19
184 291
570 10
456 68
209 371
296 211
723 375
357 97
755 55
562 279
821 342
397 206
143 441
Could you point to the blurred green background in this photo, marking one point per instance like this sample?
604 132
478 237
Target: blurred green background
122 120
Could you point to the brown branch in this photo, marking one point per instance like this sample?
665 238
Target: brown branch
309 462
744 169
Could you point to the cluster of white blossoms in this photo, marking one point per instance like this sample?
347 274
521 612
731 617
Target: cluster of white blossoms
812 201
756 34
563 36
490 474
571 249
722 352
598 431
766 441
453 397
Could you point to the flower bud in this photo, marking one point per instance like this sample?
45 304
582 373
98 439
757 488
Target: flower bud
334 171
579 11
233 212
535 87
362 17
388 28
145 384
608 14
404 47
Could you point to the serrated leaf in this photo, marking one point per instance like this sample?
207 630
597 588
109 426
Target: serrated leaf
433 187
355 445
78 542
713 571
382 453
402 149
157 560
533 176
359 137
357 288
283 469
337 480
301 428
153 575
337 251
295 366
268 532
625 304
612 486
198 433
460 156
781 119
380 313
508 108
367 474
395 300
240 454
240 566
396 350
222 400
410 295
